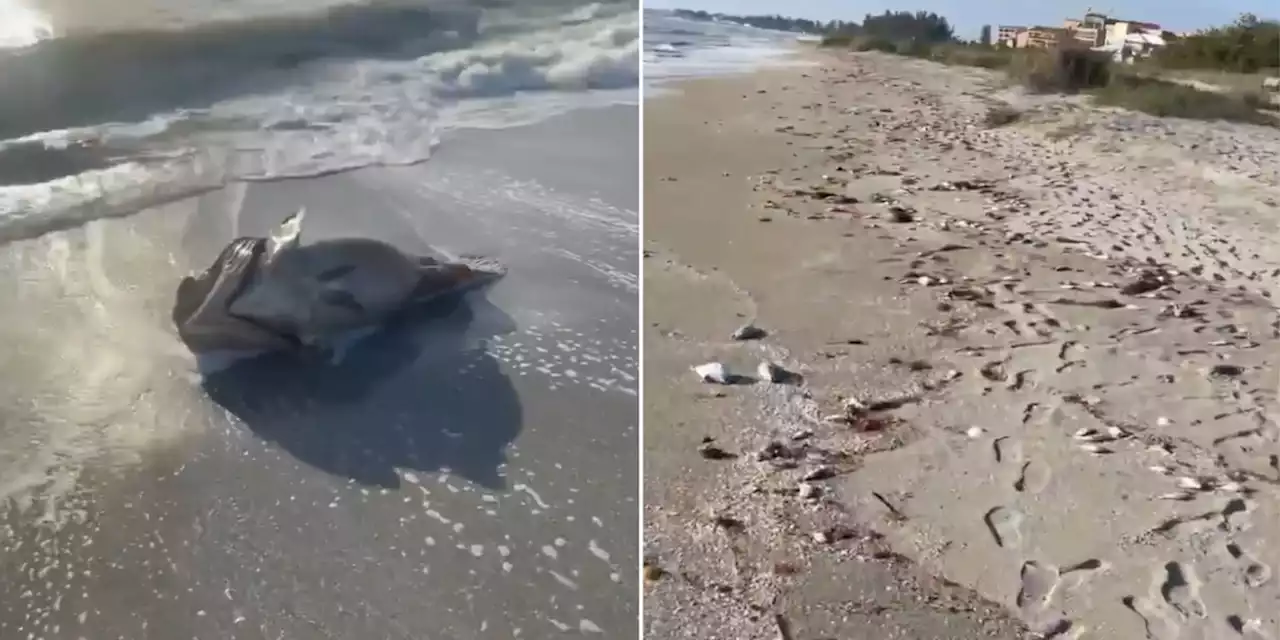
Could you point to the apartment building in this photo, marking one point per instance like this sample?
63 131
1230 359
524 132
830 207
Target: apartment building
1042 37
1118 31
1093 30
1022 37
1007 35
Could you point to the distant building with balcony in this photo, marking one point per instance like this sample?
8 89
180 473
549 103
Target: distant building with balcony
1101 31
1007 35
1041 37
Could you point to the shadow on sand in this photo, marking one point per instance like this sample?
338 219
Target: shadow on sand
421 395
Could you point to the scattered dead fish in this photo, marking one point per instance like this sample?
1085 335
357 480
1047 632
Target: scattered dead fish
1147 281
1225 370
748 332
1102 303
854 406
1095 449
807 491
832 534
975 432
772 372
713 372
1179 311
821 472
710 451
730 524
994 371
1089 435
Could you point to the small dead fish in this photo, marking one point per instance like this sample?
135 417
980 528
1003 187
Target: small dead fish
771 372
713 372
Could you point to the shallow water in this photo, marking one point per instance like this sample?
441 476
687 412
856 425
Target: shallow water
676 47
146 105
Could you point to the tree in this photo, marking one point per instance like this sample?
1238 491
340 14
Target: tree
1249 45
920 27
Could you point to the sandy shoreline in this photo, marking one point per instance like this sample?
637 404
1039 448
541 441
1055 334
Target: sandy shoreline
1096 461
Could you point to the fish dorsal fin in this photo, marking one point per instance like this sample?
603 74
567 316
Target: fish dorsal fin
288 235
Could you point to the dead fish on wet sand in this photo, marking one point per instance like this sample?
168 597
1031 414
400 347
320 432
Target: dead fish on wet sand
276 294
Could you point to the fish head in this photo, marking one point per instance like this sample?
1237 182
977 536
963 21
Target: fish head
438 279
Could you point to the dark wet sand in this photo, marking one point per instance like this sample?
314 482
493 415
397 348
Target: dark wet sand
472 474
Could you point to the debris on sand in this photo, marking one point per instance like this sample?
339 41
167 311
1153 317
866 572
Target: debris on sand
713 372
710 451
748 332
730 524
653 573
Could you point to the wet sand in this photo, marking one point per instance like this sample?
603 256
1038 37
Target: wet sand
1036 361
470 473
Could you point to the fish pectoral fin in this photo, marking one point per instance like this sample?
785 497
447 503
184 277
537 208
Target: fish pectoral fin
343 299
288 236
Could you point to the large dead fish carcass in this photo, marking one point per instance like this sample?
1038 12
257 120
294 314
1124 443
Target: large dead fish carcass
274 293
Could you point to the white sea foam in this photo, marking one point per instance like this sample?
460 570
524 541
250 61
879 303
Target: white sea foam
337 114
21 26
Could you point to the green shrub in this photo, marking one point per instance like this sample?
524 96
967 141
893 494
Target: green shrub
841 40
975 55
884 45
1170 99
1062 70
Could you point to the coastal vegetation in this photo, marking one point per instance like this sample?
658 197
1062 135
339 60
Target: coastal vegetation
1161 85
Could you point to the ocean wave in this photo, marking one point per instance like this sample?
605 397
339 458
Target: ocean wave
102 124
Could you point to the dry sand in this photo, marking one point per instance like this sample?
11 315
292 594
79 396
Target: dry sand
1056 336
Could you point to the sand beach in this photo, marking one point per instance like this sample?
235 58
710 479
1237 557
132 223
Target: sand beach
1032 367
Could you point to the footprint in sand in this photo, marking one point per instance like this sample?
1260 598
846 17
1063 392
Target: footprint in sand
1005 525
1251 628
1007 450
1254 573
1037 583
1033 477
1155 623
1180 589
1077 575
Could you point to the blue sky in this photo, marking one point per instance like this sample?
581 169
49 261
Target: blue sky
969 16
